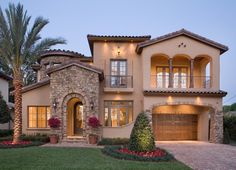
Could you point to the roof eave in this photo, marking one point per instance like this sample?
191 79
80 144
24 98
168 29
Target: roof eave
189 34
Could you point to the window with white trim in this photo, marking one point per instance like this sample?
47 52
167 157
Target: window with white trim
118 113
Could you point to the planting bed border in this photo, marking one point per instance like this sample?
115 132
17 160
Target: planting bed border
33 143
113 152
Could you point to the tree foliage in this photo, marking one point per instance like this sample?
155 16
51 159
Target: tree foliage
228 108
5 114
142 138
20 47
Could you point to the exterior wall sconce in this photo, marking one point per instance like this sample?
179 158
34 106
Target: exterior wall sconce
118 51
91 105
54 104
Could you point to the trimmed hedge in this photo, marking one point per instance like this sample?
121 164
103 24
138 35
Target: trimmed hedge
4 133
113 152
38 137
114 141
34 143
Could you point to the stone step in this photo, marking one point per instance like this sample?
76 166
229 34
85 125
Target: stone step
75 139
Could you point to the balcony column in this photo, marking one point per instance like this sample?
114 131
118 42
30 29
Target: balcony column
171 72
191 73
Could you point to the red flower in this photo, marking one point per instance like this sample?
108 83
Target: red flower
9 143
151 154
94 122
54 122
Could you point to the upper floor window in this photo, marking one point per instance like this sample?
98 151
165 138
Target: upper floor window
180 77
162 77
38 116
118 73
118 113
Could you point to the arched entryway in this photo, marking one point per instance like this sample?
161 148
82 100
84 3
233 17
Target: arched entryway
75 117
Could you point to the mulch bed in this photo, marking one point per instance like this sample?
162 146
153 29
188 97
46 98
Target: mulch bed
121 152
21 144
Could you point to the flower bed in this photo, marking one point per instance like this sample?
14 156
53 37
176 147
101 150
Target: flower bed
21 144
124 153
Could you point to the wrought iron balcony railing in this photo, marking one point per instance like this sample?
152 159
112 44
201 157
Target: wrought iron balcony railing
118 81
165 81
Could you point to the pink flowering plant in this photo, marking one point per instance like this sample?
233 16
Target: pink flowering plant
54 122
94 122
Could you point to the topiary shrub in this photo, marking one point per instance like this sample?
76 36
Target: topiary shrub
141 138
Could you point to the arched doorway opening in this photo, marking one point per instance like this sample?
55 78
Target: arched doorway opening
75 117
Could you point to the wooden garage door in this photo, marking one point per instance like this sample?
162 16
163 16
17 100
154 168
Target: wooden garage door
175 126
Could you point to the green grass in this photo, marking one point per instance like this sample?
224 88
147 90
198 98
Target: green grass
73 158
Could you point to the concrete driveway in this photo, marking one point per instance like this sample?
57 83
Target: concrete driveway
202 155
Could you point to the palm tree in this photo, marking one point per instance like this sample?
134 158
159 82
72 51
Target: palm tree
19 47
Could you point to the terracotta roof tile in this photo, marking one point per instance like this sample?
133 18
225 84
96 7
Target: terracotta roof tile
115 38
35 85
59 52
176 92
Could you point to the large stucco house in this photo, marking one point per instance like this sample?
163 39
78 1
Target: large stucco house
174 78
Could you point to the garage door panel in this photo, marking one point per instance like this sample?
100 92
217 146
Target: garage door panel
175 126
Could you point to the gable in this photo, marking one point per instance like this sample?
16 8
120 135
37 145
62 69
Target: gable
77 64
181 45
182 32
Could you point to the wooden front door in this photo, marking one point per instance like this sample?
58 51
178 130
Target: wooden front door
175 126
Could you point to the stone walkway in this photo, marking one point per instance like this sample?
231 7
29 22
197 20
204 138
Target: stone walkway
72 145
202 155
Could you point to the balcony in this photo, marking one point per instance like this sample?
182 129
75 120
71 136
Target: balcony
181 82
118 83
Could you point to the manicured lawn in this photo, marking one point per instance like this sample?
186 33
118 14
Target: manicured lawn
73 158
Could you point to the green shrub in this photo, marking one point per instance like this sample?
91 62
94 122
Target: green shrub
5 115
4 133
230 126
142 138
114 141
6 138
37 137
113 152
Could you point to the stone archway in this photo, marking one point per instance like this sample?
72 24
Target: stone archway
216 117
86 109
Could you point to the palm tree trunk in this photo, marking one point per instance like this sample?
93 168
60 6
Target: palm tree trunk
17 82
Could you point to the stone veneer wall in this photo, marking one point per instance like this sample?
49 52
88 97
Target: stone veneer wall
53 59
73 82
216 127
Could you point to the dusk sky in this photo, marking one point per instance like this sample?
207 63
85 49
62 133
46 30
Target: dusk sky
74 19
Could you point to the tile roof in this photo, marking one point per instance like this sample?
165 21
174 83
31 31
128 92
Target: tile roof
185 32
5 76
35 85
176 92
115 38
58 52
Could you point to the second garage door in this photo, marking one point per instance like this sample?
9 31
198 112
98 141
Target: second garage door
175 126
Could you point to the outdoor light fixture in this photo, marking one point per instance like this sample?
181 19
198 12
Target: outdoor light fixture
54 104
91 105
118 50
